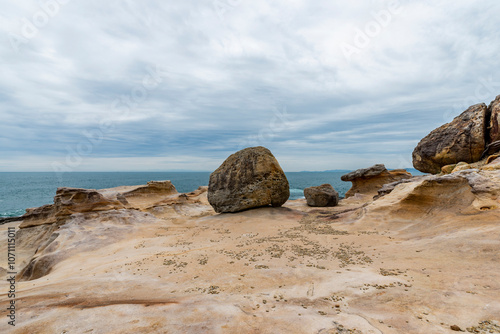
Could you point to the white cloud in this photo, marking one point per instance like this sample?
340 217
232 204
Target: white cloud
225 70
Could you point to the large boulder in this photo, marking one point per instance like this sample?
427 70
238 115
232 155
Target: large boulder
368 181
248 179
463 139
323 195
494 125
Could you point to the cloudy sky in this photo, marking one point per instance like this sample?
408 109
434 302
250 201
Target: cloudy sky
179 85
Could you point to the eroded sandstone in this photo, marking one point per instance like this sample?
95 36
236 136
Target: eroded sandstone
367 181
420 259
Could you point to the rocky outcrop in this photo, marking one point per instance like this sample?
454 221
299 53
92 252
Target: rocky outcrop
248 179
294 269
153 187
460 197
58 244
464 139
476 130
494 123
67 202
321 196
389 187
368 181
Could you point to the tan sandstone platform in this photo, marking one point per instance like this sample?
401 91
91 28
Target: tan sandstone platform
413 261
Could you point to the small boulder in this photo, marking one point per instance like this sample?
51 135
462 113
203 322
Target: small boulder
249 178
321 196
368 181
463 139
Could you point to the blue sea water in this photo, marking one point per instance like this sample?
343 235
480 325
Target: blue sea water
19 191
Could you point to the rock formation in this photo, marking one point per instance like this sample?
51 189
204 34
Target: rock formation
168 263
461 140
494 124
462 194
323 195
249 178
67 202
469 138
491 149
368 181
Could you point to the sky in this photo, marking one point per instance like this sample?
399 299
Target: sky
180 85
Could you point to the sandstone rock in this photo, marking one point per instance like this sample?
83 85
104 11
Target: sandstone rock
491 148
368 181
67 202
492 165
83 232
437 199
492 158
494 125
73 200
374 170
448 168
270 269
389 187
463 139
323 195
153 187
248 179
461 166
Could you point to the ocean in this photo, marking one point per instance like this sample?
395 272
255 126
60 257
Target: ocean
19 191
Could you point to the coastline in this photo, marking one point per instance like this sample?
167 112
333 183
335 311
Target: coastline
147 257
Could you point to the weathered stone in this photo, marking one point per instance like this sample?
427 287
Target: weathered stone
494 164
368 181
389 187
461 166
321 196
67 202
448 168
153 187
492 158
494 125
491 148
463 139
374 170
248 179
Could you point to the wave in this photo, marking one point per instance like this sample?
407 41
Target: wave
296 193
12 213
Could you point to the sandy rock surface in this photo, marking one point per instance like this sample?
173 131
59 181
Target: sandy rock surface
420 259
